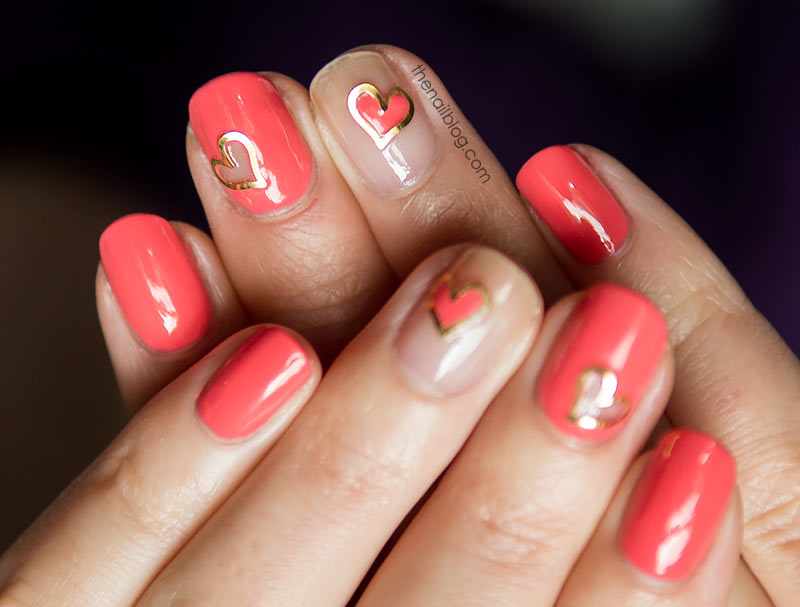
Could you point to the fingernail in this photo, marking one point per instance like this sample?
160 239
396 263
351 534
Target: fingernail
253 384
574 203
375 117
675 511
602 362
154 281
468 322
252 143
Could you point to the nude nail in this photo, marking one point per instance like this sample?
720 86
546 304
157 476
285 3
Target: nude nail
373 113
468 322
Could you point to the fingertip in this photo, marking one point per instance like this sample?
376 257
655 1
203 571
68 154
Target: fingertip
163 299
269 377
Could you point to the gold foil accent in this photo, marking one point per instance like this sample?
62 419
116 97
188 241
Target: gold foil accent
230 162
596 404
455 294
381 141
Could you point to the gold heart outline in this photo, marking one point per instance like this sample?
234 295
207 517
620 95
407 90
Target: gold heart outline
380 141
229 163
608 391
455 294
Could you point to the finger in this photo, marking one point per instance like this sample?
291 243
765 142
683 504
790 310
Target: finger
515 509
292 237
746 591
163 299
390 414
117 525
421 173
676 542
737 380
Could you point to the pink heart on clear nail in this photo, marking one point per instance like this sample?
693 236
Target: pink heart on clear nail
380 118
452 307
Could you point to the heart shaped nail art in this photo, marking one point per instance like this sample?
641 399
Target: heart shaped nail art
239 168
451 308
596 404
380 118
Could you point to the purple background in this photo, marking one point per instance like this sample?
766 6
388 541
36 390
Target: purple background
718 137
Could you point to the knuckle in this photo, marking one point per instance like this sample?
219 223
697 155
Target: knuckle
433 211
130 489
331 295
697 309
772 516
357 476
460 214
7 600
15 592
689 289
506 526
165 595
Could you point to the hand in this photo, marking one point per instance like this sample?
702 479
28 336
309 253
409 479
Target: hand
403 229
206 498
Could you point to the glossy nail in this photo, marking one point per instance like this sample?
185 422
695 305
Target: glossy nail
468 322
155 282
602 362
252 143
253 384
374 114
574 203
674 512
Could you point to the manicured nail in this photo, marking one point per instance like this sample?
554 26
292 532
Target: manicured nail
253 146
574 203
154 281
374 114
466 324
602 362
253 384
676 508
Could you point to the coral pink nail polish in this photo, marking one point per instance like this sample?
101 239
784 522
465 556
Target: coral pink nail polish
602 362
674 513
253 145
253 384
574 203
155 282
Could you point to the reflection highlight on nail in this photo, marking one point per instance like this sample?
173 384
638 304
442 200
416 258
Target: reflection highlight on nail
466 323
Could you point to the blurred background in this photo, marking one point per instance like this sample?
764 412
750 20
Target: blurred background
699 97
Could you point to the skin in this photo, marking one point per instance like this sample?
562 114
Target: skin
744 398
186 513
